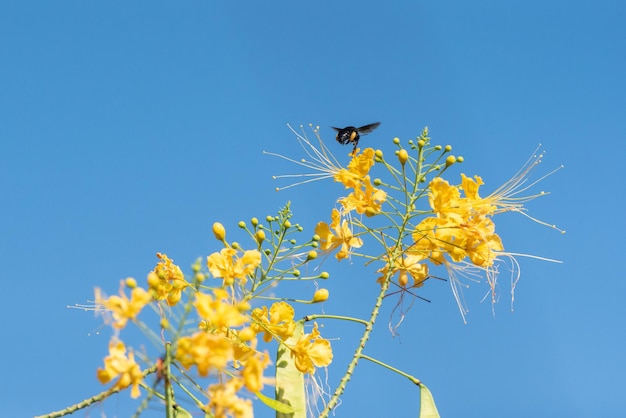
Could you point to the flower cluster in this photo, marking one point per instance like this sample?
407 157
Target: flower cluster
223 346
455 230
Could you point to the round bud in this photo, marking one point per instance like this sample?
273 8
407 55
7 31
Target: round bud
450 160
320 295
403 156
131 283
259 236
396 140
324 275
254 222
241 224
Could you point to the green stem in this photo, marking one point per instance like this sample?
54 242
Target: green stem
357 354
393 369
169 389
90 401
309 318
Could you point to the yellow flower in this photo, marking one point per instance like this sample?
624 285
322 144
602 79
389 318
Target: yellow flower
358 168
117 364
224 402
311 351
366 201
252 373
337 235
280 324
205 351
407 265
122 308
218 312
167 281
229 267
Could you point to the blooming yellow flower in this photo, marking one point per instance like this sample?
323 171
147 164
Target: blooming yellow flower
358 167
167 281
218 311
407 265
280 323
337 235
224 402
204 350
311 351
122 308
463 226
252 373
227 265
117 364
367 200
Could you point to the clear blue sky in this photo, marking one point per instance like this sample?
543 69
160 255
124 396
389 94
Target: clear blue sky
127 128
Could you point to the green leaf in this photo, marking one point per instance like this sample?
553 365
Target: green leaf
427 403
180 412
290 388
274 404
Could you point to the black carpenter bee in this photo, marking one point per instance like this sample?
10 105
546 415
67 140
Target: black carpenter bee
351 134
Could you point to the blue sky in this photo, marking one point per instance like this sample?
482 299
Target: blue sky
129 128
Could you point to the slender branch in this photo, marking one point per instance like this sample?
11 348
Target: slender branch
413 379
357 354
90 401
309 318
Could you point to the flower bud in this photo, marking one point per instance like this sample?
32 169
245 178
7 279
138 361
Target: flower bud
259 236
320 295
403 156
296 273
287 224
312 255
219 231
450 160
448 148
324 275
254 222
241 224
396 140
131 283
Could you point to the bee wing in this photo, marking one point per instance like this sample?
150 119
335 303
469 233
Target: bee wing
337 129
368 128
